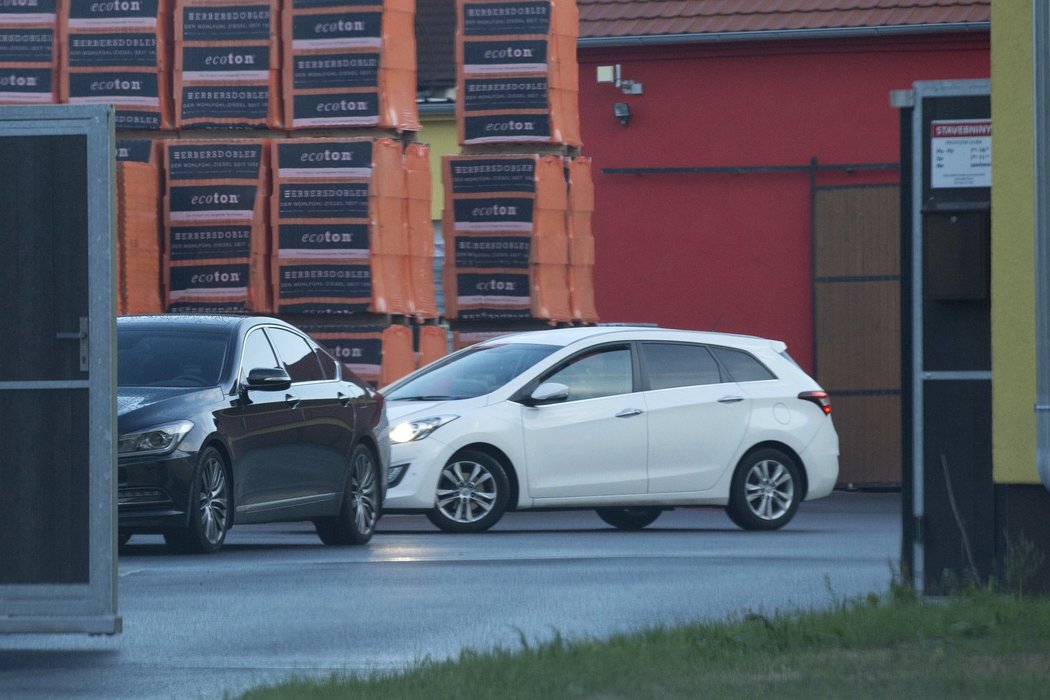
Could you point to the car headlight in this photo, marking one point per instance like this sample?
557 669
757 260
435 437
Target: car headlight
154 441
408 431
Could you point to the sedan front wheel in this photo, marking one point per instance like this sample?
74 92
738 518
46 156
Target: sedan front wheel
359 511
472 493
209 508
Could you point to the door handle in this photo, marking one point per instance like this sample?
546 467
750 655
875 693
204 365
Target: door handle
344 399
629 412
292 401
731 399
82 336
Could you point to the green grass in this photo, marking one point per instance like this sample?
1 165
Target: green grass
976 645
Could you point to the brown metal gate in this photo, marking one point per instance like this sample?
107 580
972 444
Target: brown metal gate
856 299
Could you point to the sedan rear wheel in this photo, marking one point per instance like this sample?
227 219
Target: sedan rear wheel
765 491
472 493
210 508
629 518
359 512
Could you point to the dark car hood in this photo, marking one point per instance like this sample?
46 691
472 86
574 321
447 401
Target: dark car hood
138 404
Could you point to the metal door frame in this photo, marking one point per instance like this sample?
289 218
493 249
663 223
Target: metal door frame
912 356
90 608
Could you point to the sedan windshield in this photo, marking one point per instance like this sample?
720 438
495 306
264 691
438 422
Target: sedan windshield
176 358
476 372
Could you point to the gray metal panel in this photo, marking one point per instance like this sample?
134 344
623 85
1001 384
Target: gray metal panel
923 90
90 608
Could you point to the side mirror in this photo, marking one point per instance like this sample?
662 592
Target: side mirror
268 379
548 392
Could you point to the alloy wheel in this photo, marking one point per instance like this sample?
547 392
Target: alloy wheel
769 489
363 489
214 500
466 492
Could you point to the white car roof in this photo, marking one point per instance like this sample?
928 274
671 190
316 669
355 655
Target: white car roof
563 337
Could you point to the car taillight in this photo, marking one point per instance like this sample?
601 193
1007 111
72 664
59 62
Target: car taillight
820 398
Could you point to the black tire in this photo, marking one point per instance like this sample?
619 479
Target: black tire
472 493
765 491
211 507
633 518
360 509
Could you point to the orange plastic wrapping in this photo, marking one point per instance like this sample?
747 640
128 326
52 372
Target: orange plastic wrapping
119 54
581 239
516 72
420 230
29 54
227 64
398 356
350 65
138 176
433 344
464 339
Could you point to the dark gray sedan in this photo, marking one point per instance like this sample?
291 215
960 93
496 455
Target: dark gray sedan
227 419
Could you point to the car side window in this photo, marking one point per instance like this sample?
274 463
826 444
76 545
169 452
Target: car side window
328 369
257 353
296 354
602 373
670 365
742 366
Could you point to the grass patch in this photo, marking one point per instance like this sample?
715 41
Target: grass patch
975 645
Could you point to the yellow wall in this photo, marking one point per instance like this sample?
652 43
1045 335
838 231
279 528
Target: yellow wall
1013 245
441 134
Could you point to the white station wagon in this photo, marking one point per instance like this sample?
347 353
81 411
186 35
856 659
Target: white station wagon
629 421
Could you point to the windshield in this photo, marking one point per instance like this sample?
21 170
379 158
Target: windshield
175 358
476 372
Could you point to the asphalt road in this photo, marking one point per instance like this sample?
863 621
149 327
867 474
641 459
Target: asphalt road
275 603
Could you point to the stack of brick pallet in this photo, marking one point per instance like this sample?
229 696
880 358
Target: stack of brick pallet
350 64
118 53
505 233
517 73
216 226
518 239
339 217
420 230
138 179
28 53
227 64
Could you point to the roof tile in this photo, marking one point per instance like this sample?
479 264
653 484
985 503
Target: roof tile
616 18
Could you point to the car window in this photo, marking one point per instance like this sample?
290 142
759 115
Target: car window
670 365
476 371
257 353
170 358
328 369
602 373
296 354
742 366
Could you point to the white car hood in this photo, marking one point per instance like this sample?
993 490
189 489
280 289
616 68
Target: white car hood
396 410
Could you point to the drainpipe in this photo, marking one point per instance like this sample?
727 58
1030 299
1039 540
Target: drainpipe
1041 64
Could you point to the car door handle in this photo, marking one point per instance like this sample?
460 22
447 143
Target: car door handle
292 401
629 412
730 399
344 399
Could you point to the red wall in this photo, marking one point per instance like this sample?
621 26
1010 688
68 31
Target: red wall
733 251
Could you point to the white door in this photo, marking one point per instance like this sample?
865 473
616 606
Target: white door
595 442
697 419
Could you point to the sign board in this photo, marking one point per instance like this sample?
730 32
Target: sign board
961 153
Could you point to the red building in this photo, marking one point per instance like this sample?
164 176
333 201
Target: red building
705 211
